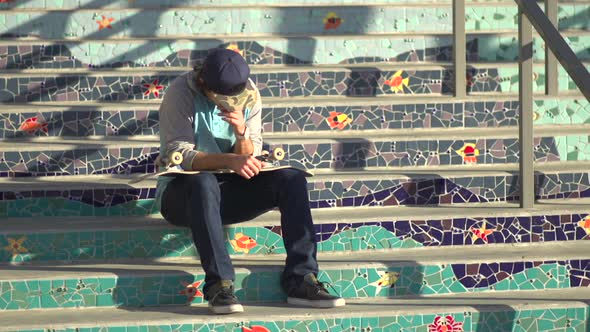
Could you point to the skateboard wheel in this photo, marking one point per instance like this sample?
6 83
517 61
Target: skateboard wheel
264 153
278 154
176 158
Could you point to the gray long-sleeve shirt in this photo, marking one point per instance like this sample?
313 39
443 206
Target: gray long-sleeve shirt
189 123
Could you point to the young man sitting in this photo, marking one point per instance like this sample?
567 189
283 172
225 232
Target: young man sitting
212 115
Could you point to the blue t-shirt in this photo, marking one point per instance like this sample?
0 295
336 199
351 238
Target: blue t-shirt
211 134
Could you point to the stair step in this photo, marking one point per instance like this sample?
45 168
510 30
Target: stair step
353 50
186 22
337 230
133 196
298 82
96 121
340 151
36 5
449 270
499 311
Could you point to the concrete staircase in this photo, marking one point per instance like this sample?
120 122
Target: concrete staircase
415 197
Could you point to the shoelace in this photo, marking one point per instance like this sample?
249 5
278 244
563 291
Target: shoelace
319 286
228 292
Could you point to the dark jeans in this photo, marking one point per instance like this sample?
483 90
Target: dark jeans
204 202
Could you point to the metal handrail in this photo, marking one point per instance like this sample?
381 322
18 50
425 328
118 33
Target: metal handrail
555 41
529 15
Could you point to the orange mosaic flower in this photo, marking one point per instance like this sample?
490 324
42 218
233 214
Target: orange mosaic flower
585 224
332 21
15 246
191 290
235 48
105 23
397 82
338 120
153 88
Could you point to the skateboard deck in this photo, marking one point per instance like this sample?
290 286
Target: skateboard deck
174 171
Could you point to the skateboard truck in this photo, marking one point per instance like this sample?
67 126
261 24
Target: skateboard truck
170 160
277 154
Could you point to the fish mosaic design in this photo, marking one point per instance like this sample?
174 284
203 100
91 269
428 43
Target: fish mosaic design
32 125
242 243
469 153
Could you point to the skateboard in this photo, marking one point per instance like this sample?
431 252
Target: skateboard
172 164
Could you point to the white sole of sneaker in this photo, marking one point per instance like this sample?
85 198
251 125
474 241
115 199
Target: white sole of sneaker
316 303
226 309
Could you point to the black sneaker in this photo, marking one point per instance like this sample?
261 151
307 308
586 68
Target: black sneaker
222 299
312 293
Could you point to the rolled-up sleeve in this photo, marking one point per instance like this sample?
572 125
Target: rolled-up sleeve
176 122
254 124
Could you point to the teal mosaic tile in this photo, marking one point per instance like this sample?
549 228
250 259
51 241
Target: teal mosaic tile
179 287
89 4
183 54
288 20
497 319
506 79
365 236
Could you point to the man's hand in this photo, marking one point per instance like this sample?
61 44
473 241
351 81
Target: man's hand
235 119
245 165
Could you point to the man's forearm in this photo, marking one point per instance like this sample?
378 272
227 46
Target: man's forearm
243 146
212 161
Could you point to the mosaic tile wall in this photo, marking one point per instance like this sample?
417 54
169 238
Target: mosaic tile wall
181 287
137 23
167 53
128 122
267 240
357 83
417 190
89 4
340 155
95 160
521 320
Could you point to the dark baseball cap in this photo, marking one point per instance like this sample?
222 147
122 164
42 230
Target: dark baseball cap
226 75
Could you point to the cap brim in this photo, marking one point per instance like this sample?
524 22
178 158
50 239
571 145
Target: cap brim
242 99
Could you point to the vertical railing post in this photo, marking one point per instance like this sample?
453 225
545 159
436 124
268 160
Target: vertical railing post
525 93
551 73
459 48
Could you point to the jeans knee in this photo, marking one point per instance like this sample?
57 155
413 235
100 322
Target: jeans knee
291 177
202 184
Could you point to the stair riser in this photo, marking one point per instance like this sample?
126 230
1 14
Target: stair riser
263 286
419 190
331 237
123 4
473 320
354 50
136 23
489 114
359 83
340 156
